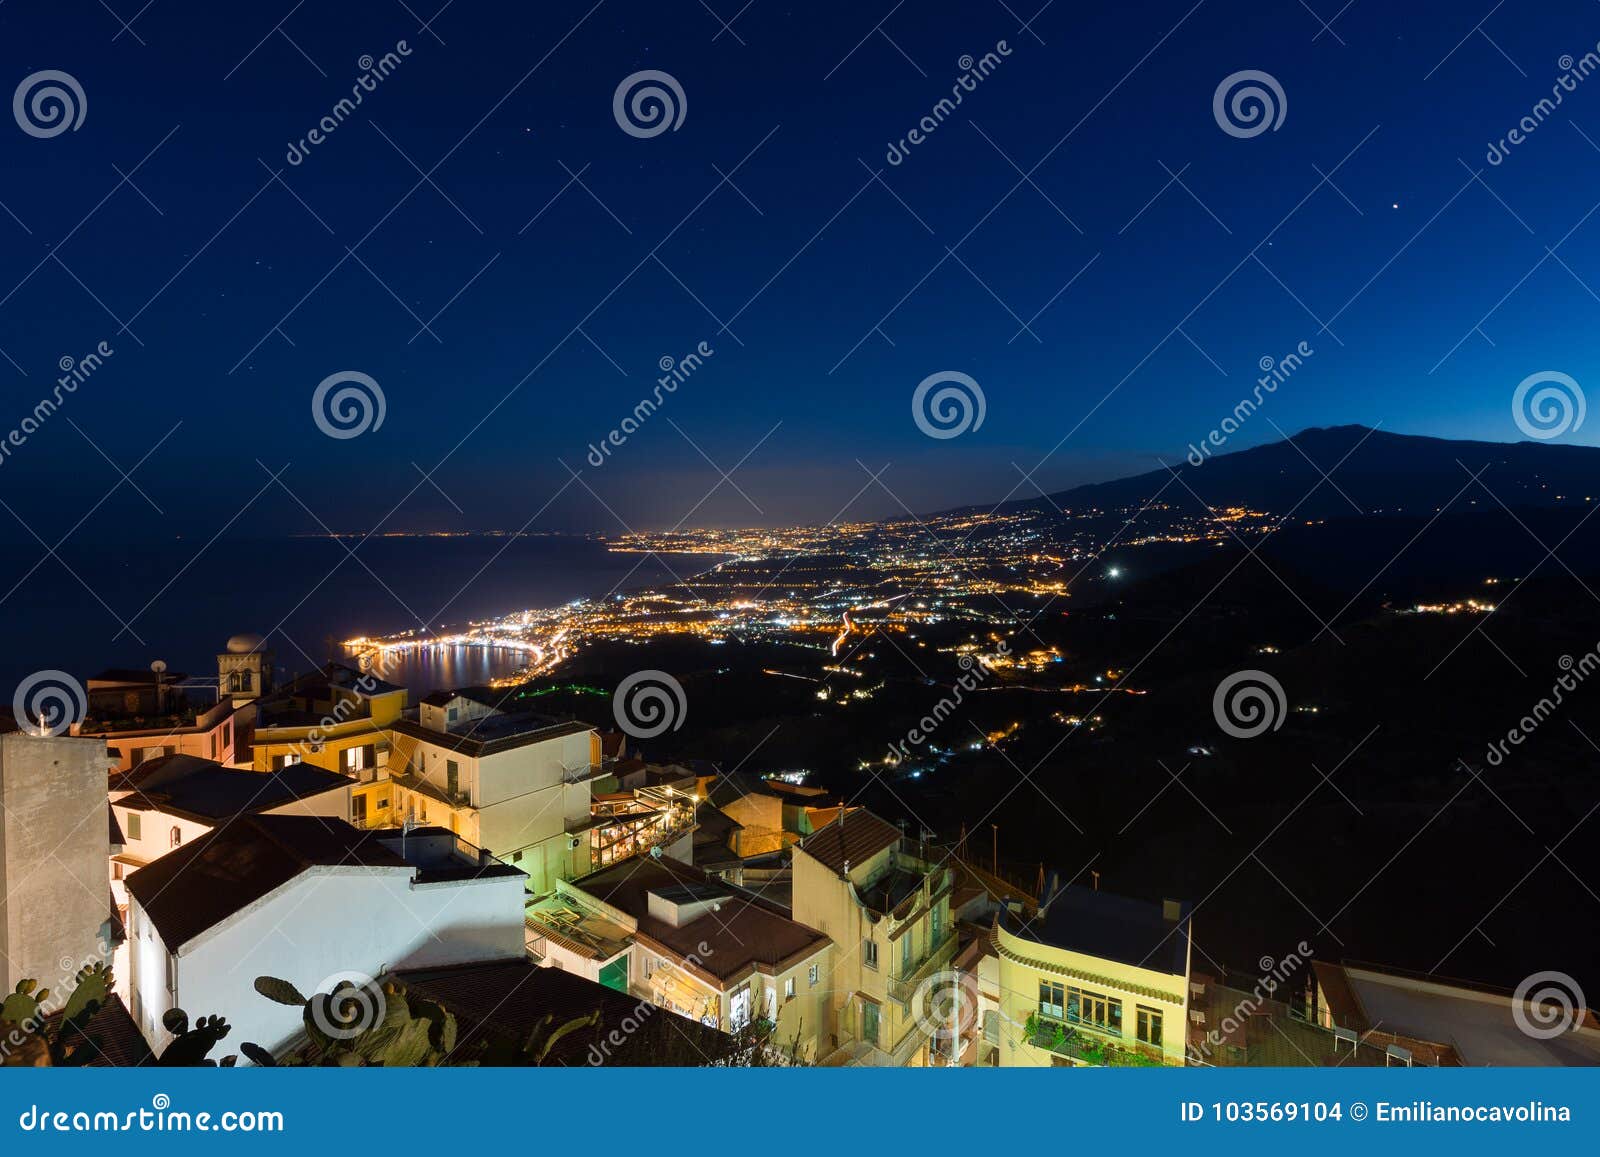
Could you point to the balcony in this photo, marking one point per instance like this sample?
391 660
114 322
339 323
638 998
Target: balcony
904 988
411 781
1087 1044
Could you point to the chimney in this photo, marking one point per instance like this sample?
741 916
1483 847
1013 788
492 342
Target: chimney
1171 910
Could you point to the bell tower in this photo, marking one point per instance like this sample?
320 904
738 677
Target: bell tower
244 670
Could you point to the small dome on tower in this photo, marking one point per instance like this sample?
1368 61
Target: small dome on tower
244 644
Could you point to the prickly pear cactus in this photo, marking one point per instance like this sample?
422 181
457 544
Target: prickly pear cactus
191 1044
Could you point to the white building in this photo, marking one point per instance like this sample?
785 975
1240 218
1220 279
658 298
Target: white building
168 802
512 782
312 901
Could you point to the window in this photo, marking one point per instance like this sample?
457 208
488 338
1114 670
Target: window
175 837
116 870
172 973
450 715
934 926
1051 999
1148 1025
811 976
1090 1008
355 758
133 826
788 989
739 1007
452 777
869 1023
869 953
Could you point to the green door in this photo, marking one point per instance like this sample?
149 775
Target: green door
615 974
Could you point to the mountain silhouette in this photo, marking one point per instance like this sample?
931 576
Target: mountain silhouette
1369 472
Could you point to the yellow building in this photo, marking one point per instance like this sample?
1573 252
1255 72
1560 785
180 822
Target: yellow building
336 719
668 933
771 814
1091 978
887 910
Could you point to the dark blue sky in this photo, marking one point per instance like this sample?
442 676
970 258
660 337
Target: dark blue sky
236 291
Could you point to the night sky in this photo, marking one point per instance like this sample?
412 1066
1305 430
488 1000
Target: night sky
514 303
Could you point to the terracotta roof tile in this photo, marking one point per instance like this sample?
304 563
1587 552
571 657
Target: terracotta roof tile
856 838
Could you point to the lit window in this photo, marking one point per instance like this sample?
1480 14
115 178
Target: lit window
1149 1025
788 989
1051 999
869 953
1101 1012
811 976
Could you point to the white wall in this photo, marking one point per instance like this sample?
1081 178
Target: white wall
520 797
155 827
323 923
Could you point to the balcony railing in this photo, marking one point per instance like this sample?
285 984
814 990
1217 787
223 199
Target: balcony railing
904 988
1090 1044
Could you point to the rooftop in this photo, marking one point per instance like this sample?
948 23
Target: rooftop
731 788
109 1038
1479 1022
205 791
854 839
143 677
578 929
730 931
1241 1028
198 886
440 855
499 1005
494 733
1111 927
485 696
